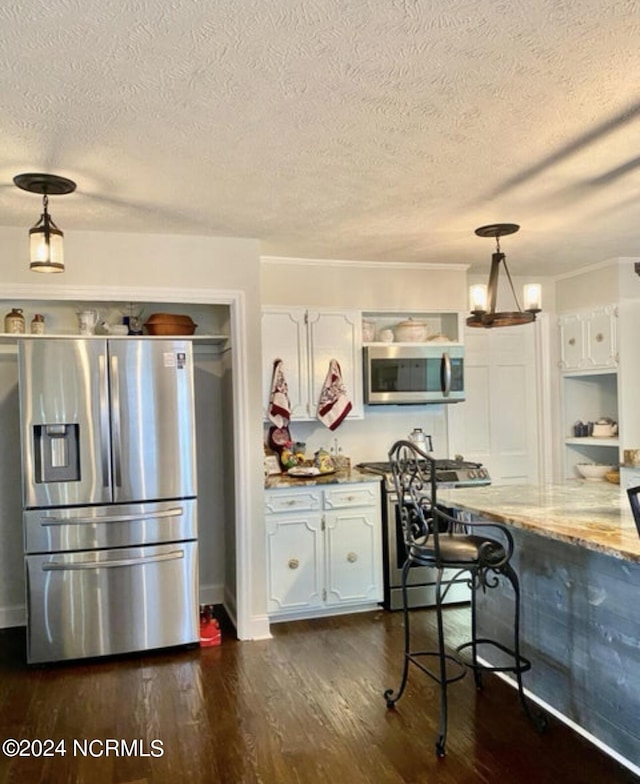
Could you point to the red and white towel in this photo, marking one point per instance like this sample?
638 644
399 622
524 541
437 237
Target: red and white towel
279 403
333 405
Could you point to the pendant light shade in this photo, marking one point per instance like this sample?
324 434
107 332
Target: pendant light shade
45 238
482 299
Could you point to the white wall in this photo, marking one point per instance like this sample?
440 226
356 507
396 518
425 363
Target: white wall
363 285
369 439
117 266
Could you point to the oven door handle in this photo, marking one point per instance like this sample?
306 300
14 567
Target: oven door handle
56 566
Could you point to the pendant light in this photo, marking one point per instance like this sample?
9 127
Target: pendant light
45 238
483 298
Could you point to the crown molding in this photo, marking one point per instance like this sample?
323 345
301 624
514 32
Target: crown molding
395 265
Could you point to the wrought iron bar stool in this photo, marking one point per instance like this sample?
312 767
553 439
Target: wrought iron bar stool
434 538
634 501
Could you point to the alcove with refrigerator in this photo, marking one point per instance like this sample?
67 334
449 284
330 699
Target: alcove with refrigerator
109 495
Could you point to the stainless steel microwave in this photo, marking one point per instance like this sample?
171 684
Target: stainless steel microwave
397 375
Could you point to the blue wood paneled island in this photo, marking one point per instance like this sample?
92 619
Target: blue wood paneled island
577 552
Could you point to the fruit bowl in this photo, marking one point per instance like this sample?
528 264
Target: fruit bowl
593 472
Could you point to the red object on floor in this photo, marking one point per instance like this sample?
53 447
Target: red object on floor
210 633
209 628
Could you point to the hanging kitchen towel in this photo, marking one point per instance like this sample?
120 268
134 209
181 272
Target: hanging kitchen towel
334 405
279 404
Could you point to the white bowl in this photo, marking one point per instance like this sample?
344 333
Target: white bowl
411 331
594 472
603 431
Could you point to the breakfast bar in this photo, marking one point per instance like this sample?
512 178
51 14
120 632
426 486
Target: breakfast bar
577 552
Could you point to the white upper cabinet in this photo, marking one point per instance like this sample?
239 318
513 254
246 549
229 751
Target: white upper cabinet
588 339
306 341
284 336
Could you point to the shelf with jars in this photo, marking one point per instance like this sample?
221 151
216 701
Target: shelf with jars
47 320
413 328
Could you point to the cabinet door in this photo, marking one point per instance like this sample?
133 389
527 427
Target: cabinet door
336 336
499 423
295 554
572 347
601 338
353 560
284 336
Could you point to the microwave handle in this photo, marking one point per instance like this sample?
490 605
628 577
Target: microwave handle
445 374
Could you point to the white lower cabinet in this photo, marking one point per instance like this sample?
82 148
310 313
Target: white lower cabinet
324 549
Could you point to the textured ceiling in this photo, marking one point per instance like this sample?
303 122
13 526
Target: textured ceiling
342 129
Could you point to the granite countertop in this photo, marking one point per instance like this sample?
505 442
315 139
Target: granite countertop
595 515
350 476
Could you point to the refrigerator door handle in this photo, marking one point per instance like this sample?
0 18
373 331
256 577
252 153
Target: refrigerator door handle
104 421
56 566
177 511
115 421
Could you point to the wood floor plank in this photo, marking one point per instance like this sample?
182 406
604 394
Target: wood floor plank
305 707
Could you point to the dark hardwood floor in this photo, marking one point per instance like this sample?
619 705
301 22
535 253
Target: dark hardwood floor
304 707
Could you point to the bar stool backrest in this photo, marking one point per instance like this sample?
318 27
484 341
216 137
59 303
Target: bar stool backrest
633 493
414 478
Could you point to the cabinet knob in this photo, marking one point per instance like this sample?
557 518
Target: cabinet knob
352 557
572 341
294 563
599 337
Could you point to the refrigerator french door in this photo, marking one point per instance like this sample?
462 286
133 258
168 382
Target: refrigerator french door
109 491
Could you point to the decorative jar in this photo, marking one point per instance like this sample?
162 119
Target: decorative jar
14 322
37 324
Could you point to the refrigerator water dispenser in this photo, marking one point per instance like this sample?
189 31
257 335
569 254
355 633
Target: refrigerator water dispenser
56 453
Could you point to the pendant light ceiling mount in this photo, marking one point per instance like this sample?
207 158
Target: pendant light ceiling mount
46 252
46 184
483 298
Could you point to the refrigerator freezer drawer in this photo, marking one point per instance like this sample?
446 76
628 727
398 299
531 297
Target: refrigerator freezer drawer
116 525
107 602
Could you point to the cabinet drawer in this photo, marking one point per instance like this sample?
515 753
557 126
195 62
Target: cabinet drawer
352 495
298 501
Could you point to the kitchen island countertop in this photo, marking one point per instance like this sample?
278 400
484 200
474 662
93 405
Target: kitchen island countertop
594 515
351 476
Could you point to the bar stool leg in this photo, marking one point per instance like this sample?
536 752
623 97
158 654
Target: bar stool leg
477 670
444 702
388 695
538 720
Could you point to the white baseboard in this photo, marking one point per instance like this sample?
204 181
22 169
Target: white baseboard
13 616
212 594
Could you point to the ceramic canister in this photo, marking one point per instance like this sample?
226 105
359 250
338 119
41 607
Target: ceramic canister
14 322
37 324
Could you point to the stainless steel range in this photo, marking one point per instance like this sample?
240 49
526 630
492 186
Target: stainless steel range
421 584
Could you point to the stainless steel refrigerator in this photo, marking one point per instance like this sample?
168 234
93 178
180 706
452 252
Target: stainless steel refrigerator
109 495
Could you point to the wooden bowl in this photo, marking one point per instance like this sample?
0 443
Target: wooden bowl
170 324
